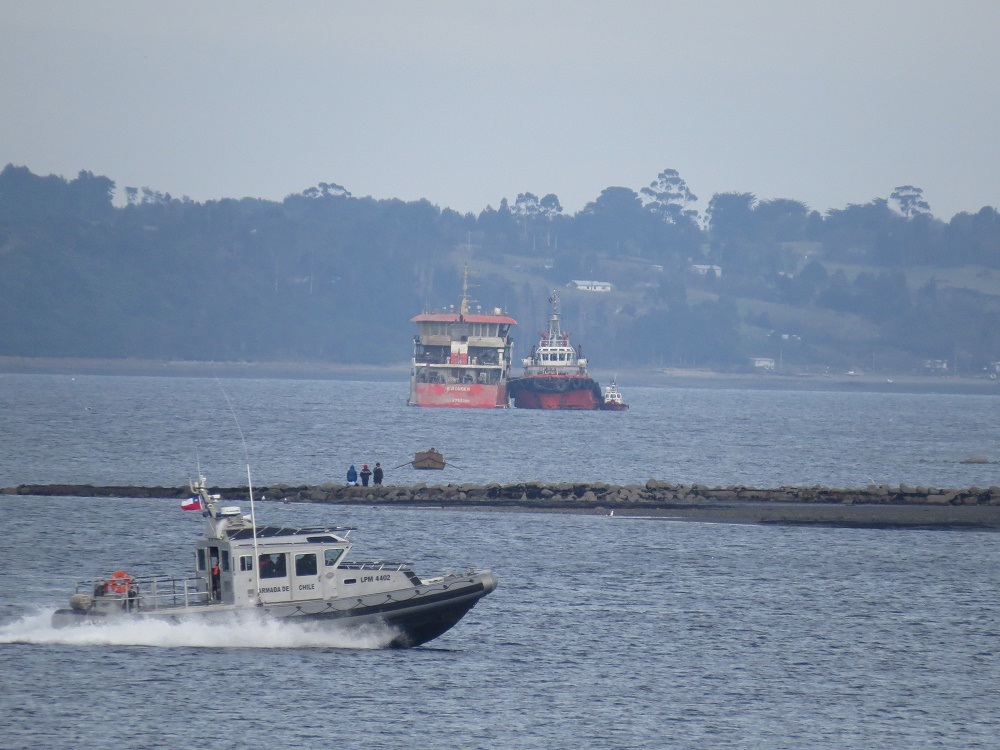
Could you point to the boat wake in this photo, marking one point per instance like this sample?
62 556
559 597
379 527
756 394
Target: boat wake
243 631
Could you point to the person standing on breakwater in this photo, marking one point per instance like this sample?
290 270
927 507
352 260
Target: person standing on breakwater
352 475
378 473
366 474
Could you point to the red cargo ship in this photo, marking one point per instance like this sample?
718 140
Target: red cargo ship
461 359
555 375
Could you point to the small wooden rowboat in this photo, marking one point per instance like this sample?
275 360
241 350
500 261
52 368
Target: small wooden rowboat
431 459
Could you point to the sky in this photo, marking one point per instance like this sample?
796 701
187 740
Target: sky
466 103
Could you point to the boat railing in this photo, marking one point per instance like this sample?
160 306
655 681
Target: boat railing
147 593
374 566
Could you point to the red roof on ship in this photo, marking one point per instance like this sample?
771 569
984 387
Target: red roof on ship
456 318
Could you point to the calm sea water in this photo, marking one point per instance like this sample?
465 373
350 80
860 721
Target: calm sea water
604 632
123 430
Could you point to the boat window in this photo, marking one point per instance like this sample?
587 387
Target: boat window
331 556
246 562
305 564
273 566
225 560
201 560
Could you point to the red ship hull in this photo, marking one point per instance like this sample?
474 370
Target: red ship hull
459 396
606 406
555 392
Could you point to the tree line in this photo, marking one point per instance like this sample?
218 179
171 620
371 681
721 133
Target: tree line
326 276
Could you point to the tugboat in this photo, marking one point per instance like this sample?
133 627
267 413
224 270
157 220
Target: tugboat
555 375
301 574
613 400
461 359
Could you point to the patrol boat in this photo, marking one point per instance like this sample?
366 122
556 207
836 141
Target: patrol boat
301 574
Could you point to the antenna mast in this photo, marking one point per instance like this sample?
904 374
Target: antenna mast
253 514
466 306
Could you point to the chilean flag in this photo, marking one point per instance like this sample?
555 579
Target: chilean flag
192 503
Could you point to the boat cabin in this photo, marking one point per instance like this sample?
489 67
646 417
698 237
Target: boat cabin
288 565
555 353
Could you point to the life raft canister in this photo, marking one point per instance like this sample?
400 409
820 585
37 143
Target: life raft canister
119 582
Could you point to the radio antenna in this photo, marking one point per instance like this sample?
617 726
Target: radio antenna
253 515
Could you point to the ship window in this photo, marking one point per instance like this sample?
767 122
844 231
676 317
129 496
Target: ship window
273 566
331 556
201 560
225 560
246 562
305 564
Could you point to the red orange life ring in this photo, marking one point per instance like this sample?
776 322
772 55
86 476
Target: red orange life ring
119 582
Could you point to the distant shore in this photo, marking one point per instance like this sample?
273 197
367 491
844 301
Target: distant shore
647 377
195 369
877 506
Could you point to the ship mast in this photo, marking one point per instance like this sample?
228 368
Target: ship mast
463 309
555 332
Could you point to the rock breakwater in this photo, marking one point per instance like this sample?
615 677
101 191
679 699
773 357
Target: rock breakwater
875 505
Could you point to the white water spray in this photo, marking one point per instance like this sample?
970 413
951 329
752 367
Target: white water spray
246 630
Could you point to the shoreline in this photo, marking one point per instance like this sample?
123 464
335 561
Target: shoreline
634 377
877 506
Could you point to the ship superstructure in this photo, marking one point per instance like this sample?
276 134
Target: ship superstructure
461 358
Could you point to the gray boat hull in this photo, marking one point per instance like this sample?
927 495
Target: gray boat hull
415 616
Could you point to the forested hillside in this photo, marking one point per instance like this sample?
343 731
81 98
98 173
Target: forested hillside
325 276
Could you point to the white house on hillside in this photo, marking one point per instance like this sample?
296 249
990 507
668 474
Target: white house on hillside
703 270
590 286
